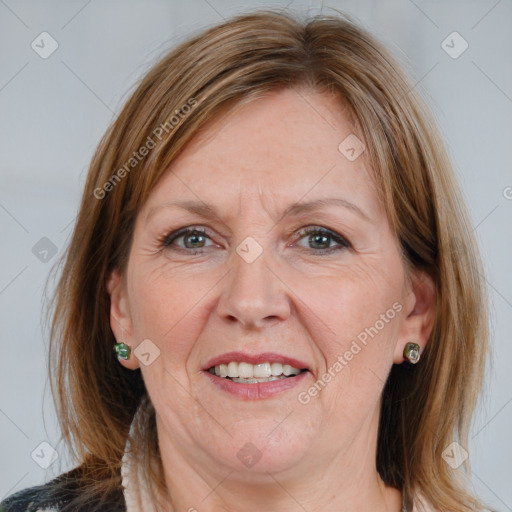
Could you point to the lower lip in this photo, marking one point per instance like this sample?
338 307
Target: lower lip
257 390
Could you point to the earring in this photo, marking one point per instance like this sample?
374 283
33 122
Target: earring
412 352
122 350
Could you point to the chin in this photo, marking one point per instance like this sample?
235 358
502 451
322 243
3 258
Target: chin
261 446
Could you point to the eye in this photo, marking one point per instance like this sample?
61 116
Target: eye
193 238
320 239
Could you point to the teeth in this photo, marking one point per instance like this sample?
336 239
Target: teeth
262 370
232 369
223 370
290 370
276 368
245 370
252 373
254 381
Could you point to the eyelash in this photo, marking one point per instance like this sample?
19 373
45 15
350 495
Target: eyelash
167 240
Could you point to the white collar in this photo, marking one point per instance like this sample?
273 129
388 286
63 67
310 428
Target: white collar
135 488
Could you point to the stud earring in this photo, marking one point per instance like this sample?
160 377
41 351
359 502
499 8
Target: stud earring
412 352
122 350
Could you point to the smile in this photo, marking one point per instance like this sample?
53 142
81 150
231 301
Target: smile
255 376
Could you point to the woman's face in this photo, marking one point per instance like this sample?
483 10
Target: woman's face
252 287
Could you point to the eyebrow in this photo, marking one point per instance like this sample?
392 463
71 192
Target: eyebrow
205 210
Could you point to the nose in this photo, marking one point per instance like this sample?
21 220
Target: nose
254 294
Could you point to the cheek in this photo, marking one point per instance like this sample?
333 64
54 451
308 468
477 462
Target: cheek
166 309
362 307
357 300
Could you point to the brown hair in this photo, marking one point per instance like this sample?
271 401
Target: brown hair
425 408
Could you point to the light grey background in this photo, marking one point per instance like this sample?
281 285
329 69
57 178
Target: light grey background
53 112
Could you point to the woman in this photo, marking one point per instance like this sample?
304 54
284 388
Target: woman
272 240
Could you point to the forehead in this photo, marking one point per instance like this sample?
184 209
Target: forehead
281 148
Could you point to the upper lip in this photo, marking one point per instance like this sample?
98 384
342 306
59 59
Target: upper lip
263 357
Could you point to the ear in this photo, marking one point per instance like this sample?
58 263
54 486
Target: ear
419 314
120 317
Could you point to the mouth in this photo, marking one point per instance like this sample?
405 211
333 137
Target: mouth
255 376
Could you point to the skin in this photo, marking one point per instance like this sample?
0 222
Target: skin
250 165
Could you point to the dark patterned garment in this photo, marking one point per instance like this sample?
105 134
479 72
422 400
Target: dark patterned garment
58 495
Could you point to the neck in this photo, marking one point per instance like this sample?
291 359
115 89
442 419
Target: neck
344 481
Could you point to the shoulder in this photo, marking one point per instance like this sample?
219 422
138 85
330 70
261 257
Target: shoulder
40 498
55 495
